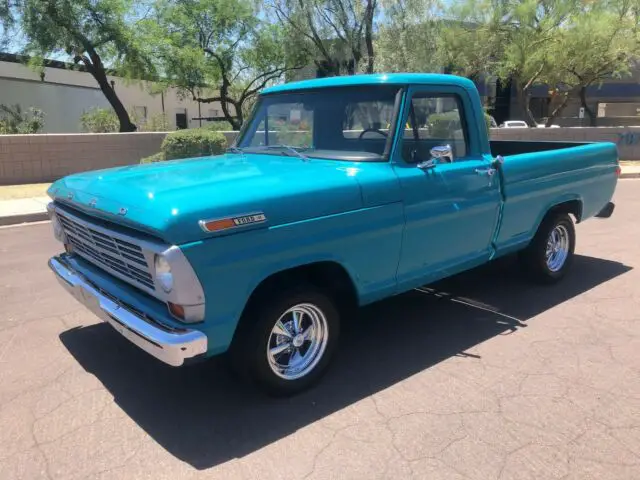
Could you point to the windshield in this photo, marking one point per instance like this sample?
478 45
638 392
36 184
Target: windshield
334 123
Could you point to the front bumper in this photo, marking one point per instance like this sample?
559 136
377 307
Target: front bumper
171 346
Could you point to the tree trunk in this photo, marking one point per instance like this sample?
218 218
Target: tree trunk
123 116
368 35
524 99
583 102
558 110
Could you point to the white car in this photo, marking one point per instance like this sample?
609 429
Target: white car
514 124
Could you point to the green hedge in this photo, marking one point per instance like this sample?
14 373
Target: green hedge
193 143
444 125
188 144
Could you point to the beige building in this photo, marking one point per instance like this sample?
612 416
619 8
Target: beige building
64 94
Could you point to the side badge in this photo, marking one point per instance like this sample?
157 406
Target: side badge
227 223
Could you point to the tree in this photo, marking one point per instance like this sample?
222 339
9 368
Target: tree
337 35
220 51
509 38
406 21
599 42
96 34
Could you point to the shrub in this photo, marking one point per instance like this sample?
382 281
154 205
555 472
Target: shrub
100 120
156 157
218 126
13 120
193 143
443 125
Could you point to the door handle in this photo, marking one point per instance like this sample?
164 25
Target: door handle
486 171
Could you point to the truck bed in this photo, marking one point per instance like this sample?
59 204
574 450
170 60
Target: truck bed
538 175
517 147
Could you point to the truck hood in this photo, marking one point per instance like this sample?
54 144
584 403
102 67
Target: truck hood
168 199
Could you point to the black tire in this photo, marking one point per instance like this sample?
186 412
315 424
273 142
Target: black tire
249 350
534 257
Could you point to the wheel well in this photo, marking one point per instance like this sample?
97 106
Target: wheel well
572 207
330 277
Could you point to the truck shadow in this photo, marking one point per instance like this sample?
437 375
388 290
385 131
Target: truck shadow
205 417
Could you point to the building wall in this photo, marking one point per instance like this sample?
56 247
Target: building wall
64 95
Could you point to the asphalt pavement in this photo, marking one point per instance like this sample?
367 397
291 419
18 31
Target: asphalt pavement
482 376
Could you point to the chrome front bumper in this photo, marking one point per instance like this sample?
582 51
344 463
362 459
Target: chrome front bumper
171 347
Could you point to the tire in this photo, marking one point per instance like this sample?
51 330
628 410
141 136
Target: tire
543 265
258 334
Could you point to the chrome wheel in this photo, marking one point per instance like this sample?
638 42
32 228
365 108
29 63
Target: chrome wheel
557 250
297 341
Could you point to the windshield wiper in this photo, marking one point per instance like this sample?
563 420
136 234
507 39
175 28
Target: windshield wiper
295 150
234 150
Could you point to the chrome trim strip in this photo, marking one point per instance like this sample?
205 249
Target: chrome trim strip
170 347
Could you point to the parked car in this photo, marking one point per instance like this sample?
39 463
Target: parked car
265 251
514 124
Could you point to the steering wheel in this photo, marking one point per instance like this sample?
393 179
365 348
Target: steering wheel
374 130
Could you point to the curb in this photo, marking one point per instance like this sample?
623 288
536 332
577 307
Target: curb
629 175
23 218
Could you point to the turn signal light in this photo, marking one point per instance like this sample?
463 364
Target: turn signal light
618 170
215 225
176 310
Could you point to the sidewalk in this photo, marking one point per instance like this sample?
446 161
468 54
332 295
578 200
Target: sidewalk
33 207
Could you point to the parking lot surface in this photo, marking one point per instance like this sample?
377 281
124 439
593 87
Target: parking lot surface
482 376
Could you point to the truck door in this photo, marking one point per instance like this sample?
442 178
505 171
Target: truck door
452 203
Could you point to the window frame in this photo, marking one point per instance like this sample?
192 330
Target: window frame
428 94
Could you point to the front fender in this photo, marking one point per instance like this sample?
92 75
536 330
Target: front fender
365 242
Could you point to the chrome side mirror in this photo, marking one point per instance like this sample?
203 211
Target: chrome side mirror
442 152
438 155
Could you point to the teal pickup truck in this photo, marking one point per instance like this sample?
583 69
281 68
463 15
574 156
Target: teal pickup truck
337 193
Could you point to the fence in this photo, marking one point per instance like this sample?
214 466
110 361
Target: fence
44 158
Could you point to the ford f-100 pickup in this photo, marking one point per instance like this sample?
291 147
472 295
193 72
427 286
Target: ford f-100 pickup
337 193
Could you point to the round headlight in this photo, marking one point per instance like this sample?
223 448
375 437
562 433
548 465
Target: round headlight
163 273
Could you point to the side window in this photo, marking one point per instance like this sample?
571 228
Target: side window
434 120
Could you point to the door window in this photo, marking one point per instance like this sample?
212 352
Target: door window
434 120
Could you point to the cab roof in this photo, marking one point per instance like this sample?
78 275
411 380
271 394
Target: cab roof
373 79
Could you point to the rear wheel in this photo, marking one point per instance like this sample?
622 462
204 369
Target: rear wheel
287 341
550 254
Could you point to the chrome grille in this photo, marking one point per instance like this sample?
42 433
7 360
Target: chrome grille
107 251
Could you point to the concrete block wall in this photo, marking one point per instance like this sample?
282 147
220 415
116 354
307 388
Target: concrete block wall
627 139
47 157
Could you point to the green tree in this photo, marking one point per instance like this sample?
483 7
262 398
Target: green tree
599 42
336 35
396 49
96 34
219 51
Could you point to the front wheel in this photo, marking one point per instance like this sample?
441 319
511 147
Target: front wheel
550 254
287 341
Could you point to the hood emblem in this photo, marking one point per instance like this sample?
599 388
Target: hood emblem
218 224
122 211
70 195
92 202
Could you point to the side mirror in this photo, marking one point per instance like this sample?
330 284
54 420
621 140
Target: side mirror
438 155
442 152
